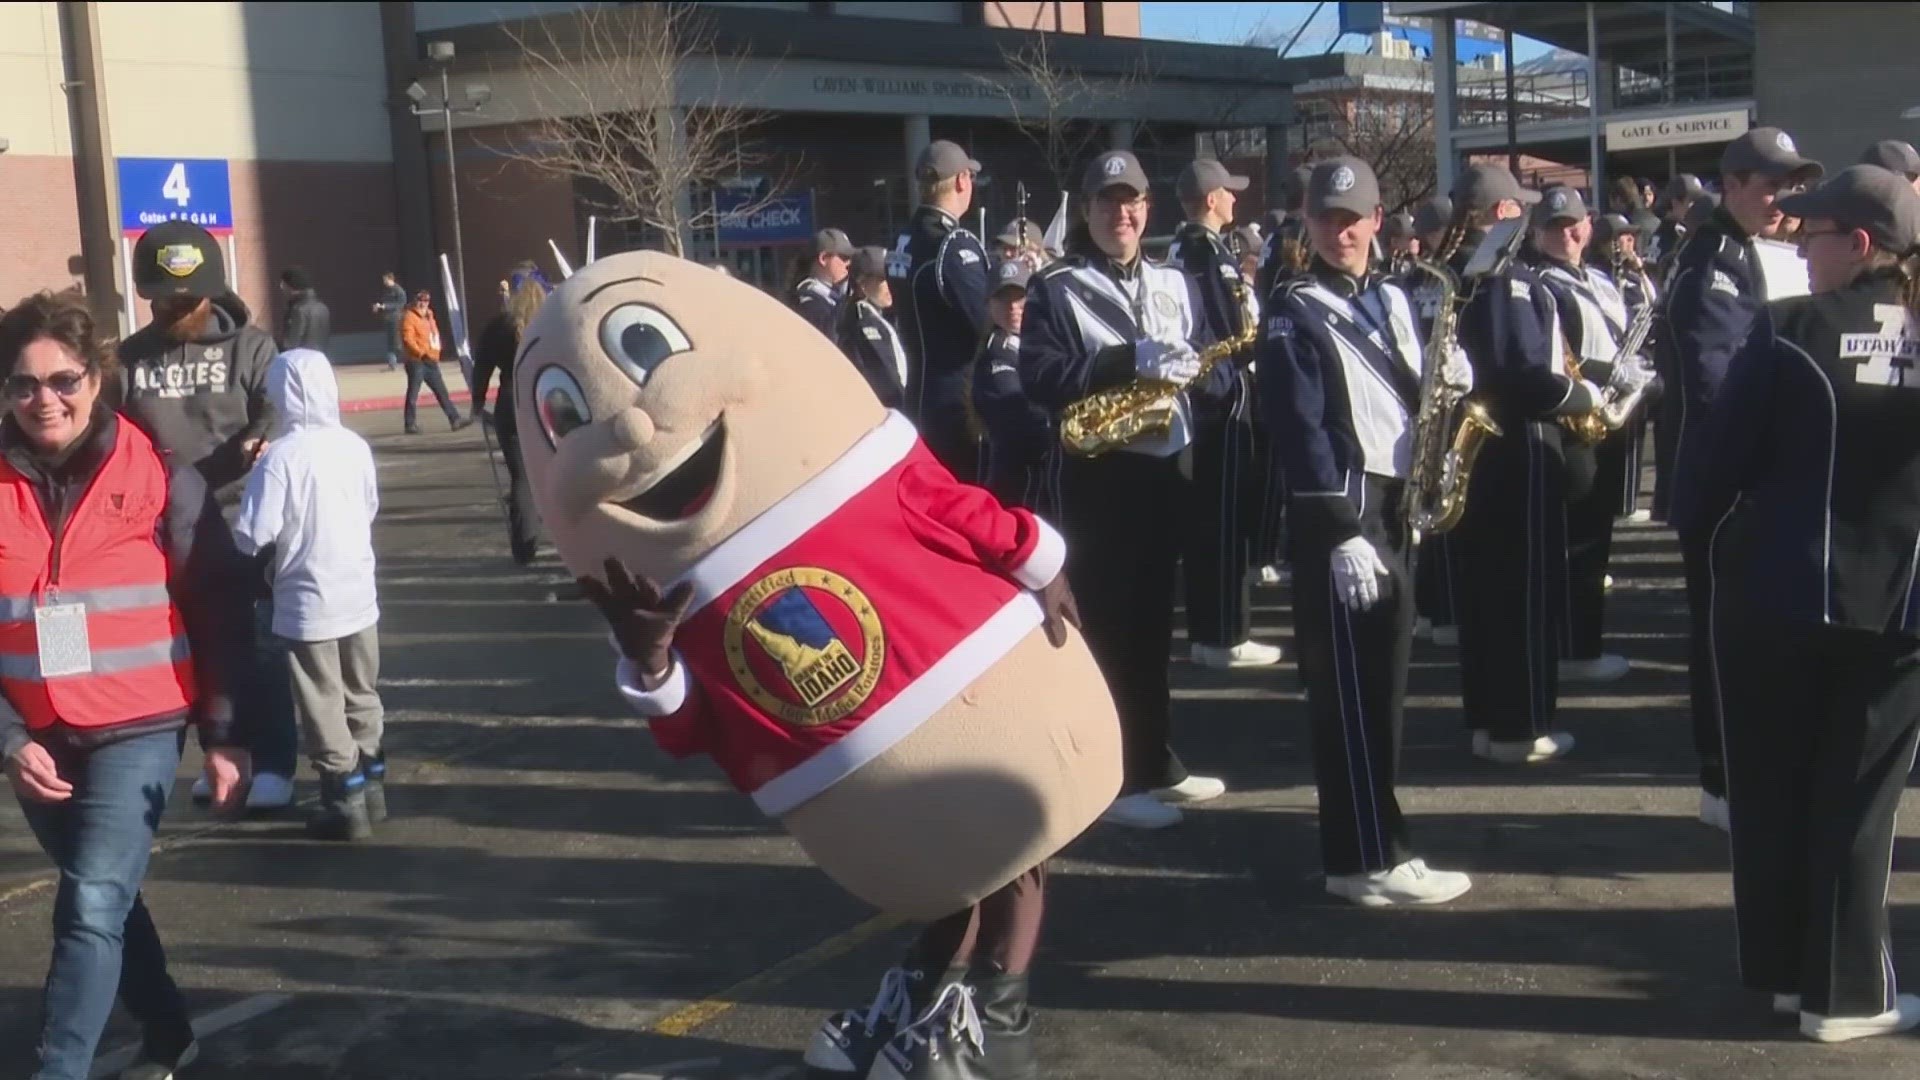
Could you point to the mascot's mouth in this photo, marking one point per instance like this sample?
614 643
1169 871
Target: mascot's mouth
686 483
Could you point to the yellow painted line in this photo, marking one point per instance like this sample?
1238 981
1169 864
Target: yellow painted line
683 1021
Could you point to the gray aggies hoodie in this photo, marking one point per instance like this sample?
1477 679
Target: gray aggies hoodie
201 400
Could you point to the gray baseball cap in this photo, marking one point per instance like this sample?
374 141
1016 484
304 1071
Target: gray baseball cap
1866 197
943 158
869 262
1433 215
1769 152
1343 183
1702 209
1114 169
1894 156
1011 274
1683 186
832 242
1483 187
1205 176
1020 231
1559 203
1398 227
1608 226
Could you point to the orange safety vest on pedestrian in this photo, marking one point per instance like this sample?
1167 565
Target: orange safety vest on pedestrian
134 658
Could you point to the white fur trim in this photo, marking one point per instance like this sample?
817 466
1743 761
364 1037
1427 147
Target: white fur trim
665 701
811 503
900 717
1043 564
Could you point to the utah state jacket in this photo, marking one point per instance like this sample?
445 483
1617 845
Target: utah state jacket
939 275
1813 447
1710 306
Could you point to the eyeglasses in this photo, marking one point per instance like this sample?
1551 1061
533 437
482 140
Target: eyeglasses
64 383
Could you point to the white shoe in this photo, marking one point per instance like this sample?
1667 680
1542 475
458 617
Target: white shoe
1786 1004
1194 789
1422 628
1607 667
1606 583
1904 1016
1522 751
1449 636
1272 575
1640 517
1141 811
1714 812
271 791
1244 655
1412 882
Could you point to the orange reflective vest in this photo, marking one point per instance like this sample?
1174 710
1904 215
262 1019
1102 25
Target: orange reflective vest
108 558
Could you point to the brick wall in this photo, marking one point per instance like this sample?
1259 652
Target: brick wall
39 225
334 219
508 212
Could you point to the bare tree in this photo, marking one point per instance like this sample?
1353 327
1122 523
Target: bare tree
1049 98
600 85
1393 133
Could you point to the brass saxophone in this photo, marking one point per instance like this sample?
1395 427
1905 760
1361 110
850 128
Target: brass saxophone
1451 427
1615 407
1110 419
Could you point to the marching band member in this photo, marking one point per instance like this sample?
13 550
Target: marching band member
1434 575
1402 244
1343 362
864 333
1896 156
817 296
1716 290
1286 255
1100 318
1022 462
1510 546
1804 480
1613 254
939 273
1227 482
1593 319
1681 192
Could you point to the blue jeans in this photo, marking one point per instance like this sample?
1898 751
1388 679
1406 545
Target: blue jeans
104 943
429 373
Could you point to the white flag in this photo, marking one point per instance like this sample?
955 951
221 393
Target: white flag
1056 236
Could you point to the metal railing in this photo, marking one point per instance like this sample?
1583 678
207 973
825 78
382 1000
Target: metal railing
1694 78
1539 96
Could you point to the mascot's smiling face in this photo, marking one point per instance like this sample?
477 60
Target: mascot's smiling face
662 405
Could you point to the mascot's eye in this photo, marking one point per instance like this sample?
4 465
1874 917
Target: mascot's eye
561 404
640 338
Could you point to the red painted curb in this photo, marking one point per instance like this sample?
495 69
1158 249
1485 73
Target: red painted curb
382 404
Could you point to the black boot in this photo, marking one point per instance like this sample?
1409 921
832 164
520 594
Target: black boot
1008 1022
342 813
374 768
846 1045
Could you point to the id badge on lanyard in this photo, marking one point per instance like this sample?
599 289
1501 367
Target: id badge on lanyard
62 633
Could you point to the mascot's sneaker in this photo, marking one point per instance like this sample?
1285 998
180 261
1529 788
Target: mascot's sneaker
1522 751
846 1045
1714 812
1904 1016
1607 667
1244 655
948 1043
1141 811
1412 882
1194 789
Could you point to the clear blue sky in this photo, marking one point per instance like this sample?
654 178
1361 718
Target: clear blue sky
1233 24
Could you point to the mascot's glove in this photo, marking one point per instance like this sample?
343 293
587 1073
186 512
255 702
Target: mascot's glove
1165 361
642 620
1357 571
1457 372
1058 609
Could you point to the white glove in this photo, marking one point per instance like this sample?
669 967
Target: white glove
1357 571
1457 372
1629 375
1165 361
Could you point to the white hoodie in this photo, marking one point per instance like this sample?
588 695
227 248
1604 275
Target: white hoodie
313 495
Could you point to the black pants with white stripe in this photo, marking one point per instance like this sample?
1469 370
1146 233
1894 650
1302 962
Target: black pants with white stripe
1590 518
1354 665
1266 525
1511 550
1434 579
1704 688
1121 516
1821 728
1226 492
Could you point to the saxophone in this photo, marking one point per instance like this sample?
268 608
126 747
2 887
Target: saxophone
1451 428
1616 407
1110 419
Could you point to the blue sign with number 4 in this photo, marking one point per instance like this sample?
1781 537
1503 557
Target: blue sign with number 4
153 190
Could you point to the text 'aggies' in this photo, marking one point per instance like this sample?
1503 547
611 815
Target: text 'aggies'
181 378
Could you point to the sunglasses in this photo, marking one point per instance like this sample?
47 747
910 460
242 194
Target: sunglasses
65 383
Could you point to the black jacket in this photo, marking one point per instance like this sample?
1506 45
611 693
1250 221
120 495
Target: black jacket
201 559
1020 434
1715 293
307 325
875 347
818 302
939 276
1810 455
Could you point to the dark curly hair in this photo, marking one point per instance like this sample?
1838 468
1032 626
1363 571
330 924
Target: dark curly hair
61 317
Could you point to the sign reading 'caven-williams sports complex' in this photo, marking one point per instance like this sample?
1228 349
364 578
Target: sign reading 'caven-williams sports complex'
1686 130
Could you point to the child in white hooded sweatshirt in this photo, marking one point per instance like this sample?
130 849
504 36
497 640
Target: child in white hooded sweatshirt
312 498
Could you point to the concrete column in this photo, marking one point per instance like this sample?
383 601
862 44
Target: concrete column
919 132
1278 150
1444 60
1119 134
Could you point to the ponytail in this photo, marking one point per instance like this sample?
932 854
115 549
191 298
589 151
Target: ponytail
1908 268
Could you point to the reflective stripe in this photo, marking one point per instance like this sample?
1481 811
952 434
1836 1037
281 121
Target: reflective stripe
105 661
115 598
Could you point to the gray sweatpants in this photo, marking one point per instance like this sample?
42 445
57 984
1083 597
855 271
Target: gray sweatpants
334 694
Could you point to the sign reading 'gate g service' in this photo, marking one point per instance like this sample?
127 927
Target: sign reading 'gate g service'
1685 130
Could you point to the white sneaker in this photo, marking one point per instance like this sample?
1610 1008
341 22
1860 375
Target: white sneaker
1194 789
1141 811
271 791
1244 655
1412 882
1640 517
1786 1004
1422 628
1714 812
1522 751
1606 583
1607 667
1274 575
1904 1016
1448 636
